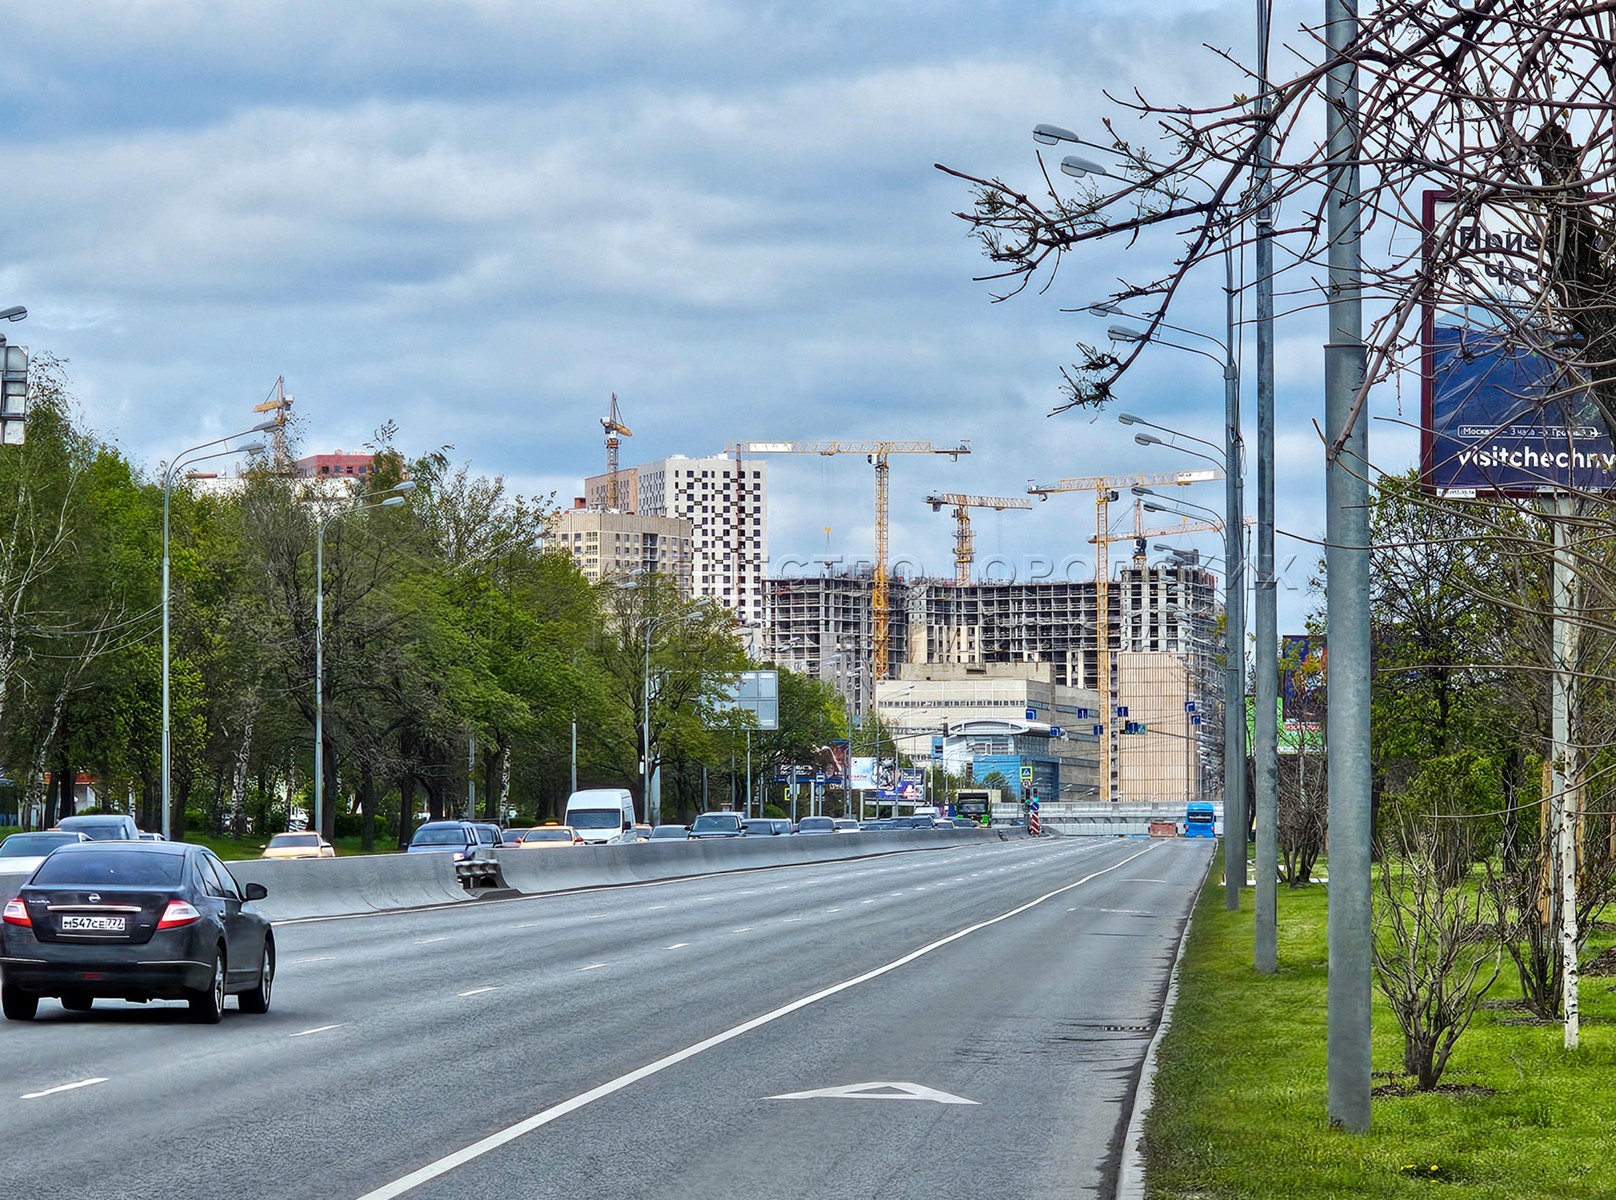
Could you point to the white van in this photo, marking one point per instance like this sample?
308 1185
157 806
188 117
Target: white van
601 815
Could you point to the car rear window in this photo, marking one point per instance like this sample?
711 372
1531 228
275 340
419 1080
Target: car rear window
548 835
28 845
440 835
282 840
111 869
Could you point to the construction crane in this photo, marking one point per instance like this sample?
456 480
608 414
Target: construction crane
615 429
876 453
1105 491
964 552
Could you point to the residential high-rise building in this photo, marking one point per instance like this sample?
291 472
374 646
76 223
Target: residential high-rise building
612 545
726 503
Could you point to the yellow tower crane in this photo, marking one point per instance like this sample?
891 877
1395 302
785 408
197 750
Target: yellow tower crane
964 551
1105 491
615 429
876 453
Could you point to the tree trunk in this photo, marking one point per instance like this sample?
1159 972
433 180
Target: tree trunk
367 809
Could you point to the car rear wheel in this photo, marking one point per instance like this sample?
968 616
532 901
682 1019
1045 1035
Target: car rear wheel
257 1000
18 1005
207 1005
75 1002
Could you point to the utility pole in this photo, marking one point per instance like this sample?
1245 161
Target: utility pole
1346 474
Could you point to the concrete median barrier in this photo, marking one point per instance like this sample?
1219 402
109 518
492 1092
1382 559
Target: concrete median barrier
328 887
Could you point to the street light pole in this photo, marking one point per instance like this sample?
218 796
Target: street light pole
321 520
184 458
1234 603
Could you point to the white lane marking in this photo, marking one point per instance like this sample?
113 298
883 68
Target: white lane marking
316 1029
597 916
792 918
433 1170
831 910
65 1087
476 991
742 929
699 899
527 925
321 958
878 1091
591 967
677 946
866 901
429 941
655 907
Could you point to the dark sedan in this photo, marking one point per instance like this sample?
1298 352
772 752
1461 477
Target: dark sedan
135 921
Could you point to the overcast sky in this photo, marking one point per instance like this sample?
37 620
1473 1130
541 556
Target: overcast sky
479 218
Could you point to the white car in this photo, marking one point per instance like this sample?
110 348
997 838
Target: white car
22 852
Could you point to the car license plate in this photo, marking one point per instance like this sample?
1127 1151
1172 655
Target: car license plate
89 924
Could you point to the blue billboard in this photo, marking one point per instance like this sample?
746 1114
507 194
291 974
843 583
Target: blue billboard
1500 418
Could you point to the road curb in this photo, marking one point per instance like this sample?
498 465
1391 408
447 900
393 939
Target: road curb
1130 1182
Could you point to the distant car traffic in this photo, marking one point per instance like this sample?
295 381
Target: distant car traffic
716 825
102 827
22 852
765 826
669 833
846 825
298 845
463 839
135 921
816 825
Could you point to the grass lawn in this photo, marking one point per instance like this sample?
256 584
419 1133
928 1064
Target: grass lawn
1240 1103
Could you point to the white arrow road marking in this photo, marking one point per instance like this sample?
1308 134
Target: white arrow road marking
66 1087
877 1091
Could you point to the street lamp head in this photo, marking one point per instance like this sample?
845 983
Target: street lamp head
249 448
1140 490
1077 167
265 427
1048 135
15 313
403 487
1121 333
1129 419
1102 308
1148 439
391 502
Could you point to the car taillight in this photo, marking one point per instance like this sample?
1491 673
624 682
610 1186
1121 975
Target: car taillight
176 914
17 912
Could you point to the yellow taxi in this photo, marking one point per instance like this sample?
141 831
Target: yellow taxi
298 845
548 837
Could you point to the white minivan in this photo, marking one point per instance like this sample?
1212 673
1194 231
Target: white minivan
601 815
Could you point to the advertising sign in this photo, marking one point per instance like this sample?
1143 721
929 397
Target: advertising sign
870 774
1499 413
1303 665
757 693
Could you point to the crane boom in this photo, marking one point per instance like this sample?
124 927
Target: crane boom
964 546
1104 489
877 453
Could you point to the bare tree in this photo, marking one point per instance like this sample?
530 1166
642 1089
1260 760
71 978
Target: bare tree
1438 949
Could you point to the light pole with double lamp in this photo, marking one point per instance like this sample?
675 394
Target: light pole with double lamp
391 497
1234 716
188 458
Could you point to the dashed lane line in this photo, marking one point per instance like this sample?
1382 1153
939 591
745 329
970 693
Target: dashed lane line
64 1087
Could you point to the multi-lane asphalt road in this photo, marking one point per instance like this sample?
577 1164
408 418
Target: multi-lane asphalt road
964 1022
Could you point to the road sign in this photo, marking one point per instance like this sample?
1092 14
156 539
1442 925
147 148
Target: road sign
1026 774
1055 731
1032 714
1122 710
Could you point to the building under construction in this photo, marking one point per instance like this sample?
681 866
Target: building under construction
821 624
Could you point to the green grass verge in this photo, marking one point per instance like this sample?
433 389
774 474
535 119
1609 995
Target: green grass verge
1240 1095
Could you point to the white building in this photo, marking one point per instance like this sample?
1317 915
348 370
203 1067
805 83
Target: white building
726 503
608 545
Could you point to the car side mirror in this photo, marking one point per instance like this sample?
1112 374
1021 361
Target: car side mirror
255 891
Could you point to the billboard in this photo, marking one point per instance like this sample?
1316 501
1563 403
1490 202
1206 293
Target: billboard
1303 659
1499 412
870 774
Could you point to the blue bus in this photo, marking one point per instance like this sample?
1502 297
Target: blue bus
1200 819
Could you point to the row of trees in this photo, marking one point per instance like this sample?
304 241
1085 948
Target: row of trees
459 649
